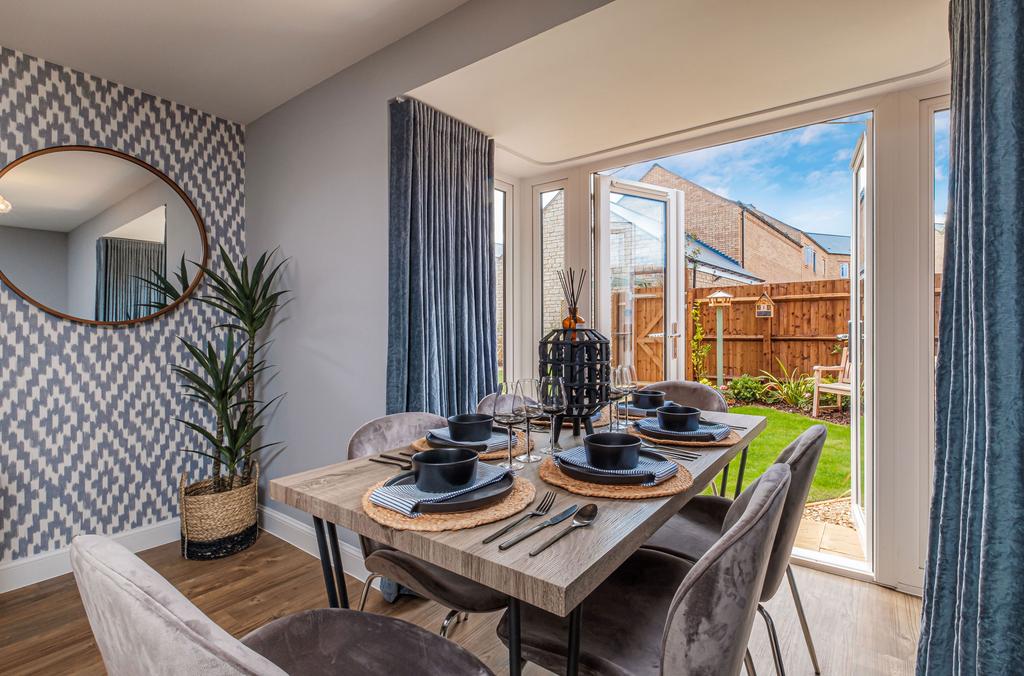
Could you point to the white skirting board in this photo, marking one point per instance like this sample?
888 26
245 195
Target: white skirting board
32 569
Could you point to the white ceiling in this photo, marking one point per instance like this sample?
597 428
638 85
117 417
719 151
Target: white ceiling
60 191
638 69
234 58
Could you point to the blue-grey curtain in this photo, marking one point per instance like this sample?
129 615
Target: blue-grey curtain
442 338
122 268
973 617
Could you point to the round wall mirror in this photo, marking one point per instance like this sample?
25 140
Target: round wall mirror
96 236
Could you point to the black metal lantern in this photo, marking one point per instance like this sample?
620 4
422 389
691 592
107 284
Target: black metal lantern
581 357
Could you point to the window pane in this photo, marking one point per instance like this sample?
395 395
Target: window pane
499 265
940 196
553 309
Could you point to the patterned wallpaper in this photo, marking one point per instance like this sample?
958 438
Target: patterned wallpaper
88 441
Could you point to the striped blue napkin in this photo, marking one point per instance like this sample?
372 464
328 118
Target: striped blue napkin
496 442
403 499
661 469
636 410
716 432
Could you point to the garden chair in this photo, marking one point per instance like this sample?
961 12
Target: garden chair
840 388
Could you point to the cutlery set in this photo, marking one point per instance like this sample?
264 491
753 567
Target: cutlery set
582 517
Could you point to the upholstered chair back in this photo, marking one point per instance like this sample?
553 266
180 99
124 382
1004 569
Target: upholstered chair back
802 457
690 393
391 431
143 625
712 612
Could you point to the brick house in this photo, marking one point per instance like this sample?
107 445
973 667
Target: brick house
759 243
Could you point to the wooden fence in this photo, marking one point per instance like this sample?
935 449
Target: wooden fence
803 332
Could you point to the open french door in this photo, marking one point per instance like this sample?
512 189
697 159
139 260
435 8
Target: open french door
640 273
861 313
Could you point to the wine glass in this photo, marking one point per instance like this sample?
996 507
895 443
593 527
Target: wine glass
628 384
553 401
615 395
531 410
508 411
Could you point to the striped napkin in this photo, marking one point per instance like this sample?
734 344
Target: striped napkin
706 432
404 499
661 469
636 410
496 442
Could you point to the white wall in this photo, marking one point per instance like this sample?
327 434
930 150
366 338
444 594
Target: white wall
36 262
317 186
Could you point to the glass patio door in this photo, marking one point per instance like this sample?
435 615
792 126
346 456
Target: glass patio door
640 271
861 294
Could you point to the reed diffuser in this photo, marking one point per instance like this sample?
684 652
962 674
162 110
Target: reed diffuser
572 289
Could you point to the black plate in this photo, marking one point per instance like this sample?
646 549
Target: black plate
650 412
439 442
611 479
467 502
669 436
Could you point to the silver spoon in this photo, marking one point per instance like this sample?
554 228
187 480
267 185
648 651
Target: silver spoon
583 518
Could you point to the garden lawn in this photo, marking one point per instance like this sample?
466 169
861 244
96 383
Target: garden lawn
832 480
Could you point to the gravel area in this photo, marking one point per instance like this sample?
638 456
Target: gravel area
835 512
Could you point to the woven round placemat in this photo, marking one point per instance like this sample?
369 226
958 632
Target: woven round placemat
603 421
732 438
424 445
550 473
519 499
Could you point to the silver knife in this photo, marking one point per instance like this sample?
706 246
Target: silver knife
558 518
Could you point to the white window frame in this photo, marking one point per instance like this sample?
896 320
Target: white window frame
508 337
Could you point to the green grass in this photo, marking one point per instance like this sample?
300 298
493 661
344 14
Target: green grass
832 480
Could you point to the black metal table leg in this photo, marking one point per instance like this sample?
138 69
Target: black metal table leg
325 562
572 666
339 567
725 481
739 474
515 649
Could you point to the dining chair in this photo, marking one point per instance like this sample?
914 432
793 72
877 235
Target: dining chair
695 528
661 614
455 592
143 625
690 393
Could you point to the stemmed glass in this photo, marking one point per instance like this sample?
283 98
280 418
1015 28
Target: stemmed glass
507 404
615 395
530 409
553 401
628 384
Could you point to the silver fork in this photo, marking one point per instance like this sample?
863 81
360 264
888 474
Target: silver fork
543 508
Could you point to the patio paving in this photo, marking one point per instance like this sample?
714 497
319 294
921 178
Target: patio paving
828 538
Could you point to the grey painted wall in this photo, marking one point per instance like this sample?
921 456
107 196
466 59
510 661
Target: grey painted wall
36 261
317 182
88 440
182 237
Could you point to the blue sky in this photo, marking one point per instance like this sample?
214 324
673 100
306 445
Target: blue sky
801 176
941 165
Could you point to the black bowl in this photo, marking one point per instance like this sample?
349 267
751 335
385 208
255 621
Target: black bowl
440 470
679 418
612 450
648 398
470 427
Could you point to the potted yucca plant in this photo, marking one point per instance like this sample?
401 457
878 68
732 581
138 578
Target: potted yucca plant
218 512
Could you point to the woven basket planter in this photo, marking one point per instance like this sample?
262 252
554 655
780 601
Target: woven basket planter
215 525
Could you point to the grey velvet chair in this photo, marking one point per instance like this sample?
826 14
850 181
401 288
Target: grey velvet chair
697 526
144 626
455 592
659 614
690 393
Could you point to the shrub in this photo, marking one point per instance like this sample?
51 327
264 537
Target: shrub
698 348
747 389
792 388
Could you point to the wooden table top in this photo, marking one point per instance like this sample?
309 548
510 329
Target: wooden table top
558 579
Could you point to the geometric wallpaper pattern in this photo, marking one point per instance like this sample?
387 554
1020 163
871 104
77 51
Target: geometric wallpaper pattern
88 440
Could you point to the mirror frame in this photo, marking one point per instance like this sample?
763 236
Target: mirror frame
156 172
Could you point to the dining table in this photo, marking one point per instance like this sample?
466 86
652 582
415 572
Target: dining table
558 580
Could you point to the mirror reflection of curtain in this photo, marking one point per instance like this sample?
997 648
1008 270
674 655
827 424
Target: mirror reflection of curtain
123 267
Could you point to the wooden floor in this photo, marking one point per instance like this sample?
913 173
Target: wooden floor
859 628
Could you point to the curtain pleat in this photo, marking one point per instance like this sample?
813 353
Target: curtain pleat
122 268
973 611
442 338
